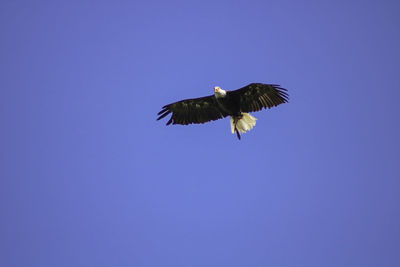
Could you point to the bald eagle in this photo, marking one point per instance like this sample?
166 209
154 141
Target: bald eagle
236 104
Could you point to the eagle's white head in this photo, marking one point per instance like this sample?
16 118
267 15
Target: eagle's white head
219 92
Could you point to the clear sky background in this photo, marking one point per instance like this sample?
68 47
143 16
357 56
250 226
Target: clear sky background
90 178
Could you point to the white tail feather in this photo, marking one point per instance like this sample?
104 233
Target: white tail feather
246 123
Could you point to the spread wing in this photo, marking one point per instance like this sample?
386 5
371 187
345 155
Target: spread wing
195 110
257 96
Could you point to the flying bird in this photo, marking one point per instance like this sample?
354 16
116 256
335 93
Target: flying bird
236 104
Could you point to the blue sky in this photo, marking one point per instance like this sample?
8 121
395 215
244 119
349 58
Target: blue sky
90 178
